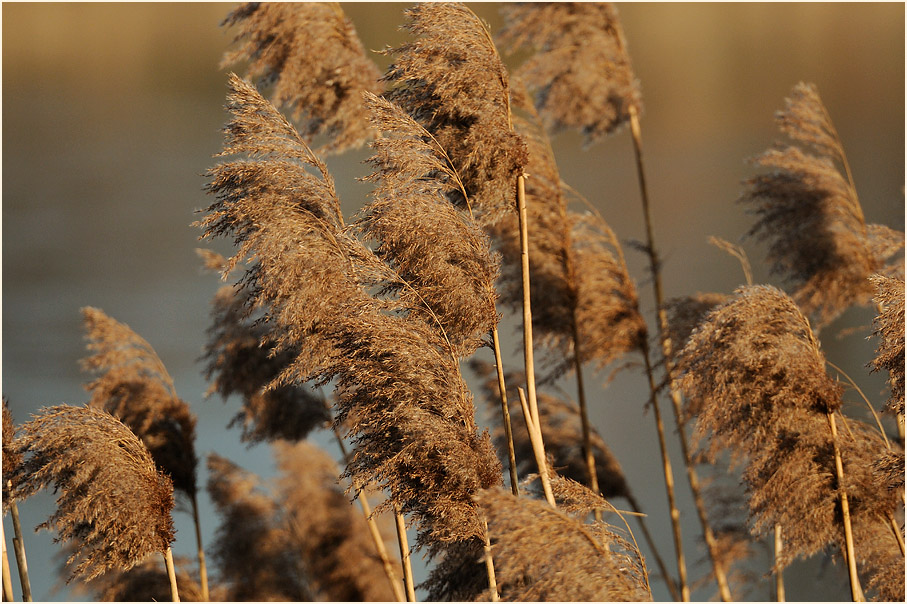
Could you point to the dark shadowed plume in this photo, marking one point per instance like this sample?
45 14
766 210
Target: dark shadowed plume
133 385
808 211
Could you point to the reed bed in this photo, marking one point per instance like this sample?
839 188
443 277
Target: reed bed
375 328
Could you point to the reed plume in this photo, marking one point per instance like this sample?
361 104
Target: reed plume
239 361
412 423
889 328
113 504
331 538
451 80
809 213
134 386
312 58
257 559
442 256
145 582
755 370
579 71
542 553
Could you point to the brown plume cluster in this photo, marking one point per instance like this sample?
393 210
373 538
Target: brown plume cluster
755 372
311 56
112 504
561 425
239 361
11 459
451 80
809 213
579 71
133 385
412 423
295 539
146 582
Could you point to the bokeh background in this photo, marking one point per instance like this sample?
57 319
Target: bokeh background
111 113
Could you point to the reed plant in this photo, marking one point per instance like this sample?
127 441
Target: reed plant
376 327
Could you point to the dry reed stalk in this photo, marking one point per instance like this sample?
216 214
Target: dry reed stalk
809 213
113 504
133 385
405 556
312 57
413 423
778 546
7 577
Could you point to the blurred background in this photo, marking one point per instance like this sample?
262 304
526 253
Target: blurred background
111 113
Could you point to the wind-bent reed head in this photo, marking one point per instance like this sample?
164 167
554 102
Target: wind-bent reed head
399 392
541 554
889 328
312 56
331 535
112 503
11 459
562 426
809 213
580 72
239 361
749 363
756 374
442 256
685 313
256 557
134 386
451 80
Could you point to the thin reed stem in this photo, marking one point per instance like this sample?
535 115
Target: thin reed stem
171 572
655 266
404 556
779 573
373 529
528 357
505 412
489 565
872 410
202 567
856 591
662 567
538 448
19 550
7 578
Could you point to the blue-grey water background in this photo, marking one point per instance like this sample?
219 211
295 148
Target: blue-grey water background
111 113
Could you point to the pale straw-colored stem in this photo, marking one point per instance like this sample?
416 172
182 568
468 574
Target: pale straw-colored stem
7 577
171 572
528 356
505 412
202 567
373 529
662 567
856 590
405 556
19 551
489 565
668 477
538 448
779 572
